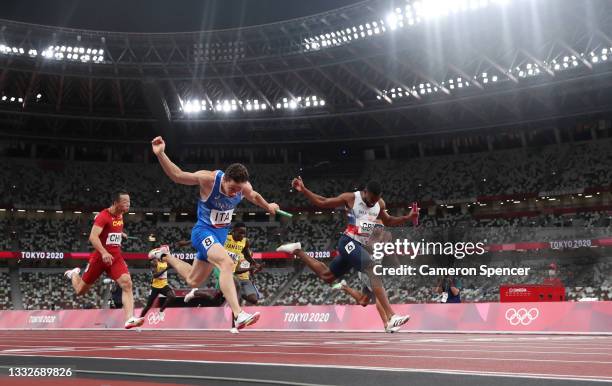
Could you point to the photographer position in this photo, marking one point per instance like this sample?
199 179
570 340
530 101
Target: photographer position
450 288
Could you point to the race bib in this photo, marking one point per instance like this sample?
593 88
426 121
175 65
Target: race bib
113 239
366 227
208 242
350 247
221 217
245 264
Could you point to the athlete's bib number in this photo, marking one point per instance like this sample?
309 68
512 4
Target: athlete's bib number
208 242
366 227
113 239
234 256
244 264
221 217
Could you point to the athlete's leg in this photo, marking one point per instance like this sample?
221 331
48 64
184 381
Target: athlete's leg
248 291
383 315
217 255
150 300
80 287
318 267
170 296
181 267
95 268
193 274
379 291
127 297
361 298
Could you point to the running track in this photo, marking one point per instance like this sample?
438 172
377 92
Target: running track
115 357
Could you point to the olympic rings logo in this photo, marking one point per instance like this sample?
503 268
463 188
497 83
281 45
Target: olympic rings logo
522 316
155 318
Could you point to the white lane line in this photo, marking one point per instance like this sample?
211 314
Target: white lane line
567 377
316 354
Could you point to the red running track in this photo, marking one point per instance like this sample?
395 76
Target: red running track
534 356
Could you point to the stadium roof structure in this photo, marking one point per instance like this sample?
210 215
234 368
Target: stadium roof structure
369 70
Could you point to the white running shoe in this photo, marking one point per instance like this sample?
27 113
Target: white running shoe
289 248
155 253
134 322
339 286
396 322
391 330
234 330
190 295
71 272
245 319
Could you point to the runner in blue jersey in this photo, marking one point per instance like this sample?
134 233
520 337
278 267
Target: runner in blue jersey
220 193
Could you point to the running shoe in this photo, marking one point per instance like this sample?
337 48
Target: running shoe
397 321
391 330
339 286
71 272
289 248
165 249
134 322
244 319
155 253
234 330
190 295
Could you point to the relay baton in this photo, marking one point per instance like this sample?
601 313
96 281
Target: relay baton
415 207
283 213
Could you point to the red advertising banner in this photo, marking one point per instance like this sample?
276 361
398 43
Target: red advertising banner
531 293
558 317
43 255
555 245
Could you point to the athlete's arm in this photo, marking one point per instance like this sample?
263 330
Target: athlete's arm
156 275
94 239
248 255
393 221
182 243
257 199
174 172
345 199
239 271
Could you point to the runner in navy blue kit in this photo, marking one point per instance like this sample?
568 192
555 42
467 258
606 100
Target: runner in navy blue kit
220 193
365 208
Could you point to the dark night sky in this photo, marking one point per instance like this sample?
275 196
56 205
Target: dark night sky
161 15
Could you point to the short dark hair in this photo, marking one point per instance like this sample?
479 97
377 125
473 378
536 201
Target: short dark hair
239 225
374 188
237 172
118 193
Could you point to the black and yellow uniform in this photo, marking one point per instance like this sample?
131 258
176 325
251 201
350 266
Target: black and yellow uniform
236 251
159 285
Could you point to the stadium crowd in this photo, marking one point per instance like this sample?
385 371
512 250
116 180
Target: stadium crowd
561 169
463 176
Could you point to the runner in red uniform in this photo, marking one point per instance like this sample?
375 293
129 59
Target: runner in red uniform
106 235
